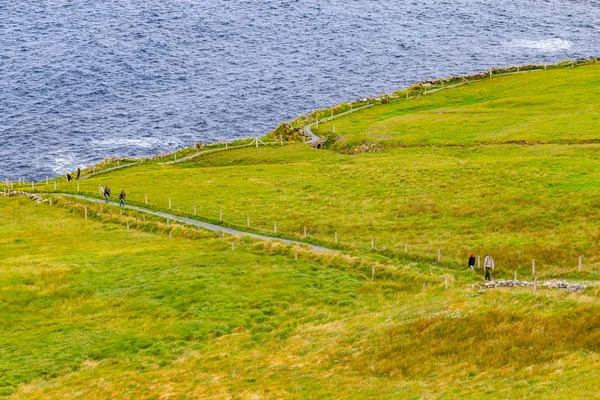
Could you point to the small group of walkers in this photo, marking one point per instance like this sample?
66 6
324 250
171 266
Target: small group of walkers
70 178
488 265
106 192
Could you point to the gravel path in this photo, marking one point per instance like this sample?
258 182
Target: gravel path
194 222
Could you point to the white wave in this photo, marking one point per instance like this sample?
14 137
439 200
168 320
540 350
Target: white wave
63 163
550 45
144 143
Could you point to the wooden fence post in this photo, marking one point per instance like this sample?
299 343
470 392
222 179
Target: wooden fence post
170 235
439 255
478 262
194 209
146 198
275 227
372 272
336 242
54 185
532 267
372 243
85 212
580 262
515 279
127 225
169 204
305 232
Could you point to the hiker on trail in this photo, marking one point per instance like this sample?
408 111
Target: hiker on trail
122 198
488 265
107 192
78 173
472 261
69 179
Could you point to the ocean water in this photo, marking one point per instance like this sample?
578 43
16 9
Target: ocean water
81 80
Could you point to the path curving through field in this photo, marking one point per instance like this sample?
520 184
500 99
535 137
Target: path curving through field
194 222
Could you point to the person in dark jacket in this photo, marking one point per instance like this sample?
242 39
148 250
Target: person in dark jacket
78 173
122 198
106 192
472 261
69 179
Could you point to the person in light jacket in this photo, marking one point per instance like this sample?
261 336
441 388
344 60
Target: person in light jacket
488 265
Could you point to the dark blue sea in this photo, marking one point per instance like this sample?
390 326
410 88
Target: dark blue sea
85 79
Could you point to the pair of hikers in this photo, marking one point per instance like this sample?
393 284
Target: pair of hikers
106 193
488 265
70 178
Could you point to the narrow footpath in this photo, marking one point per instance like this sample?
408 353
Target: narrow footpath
194 222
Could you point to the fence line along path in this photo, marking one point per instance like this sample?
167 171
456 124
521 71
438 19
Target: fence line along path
194 222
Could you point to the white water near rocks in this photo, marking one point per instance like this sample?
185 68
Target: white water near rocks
81 80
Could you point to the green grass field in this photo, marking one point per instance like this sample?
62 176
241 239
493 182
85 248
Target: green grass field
91 309
507 166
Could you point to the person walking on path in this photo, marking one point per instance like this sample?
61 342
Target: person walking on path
472 261
69 179
122 198
488 265
107 192
78 173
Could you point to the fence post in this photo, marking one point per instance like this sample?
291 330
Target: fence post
532 267
77 187
336 238
146 198
170 235
439 255
515 279
305 232
194 209
169 204
54 185
127 225
478 262
275 227
580 262
85 212
372 243
372 272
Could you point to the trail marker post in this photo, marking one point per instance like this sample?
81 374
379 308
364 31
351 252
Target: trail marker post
274 227
532 267
515 278
85 212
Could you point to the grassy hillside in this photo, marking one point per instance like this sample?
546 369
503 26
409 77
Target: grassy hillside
507 166
91 309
